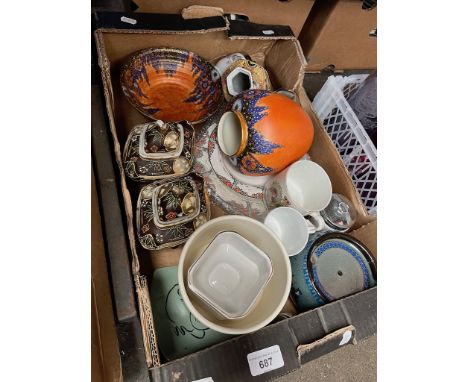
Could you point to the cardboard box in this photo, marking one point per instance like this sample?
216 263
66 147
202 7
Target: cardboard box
301 338
337 33
115 250
105 359
293 12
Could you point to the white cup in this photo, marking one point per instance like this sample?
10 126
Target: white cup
292 228
304 185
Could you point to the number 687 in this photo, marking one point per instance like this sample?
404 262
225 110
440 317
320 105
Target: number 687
265 362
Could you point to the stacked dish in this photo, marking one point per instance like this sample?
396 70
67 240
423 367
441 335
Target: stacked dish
231 250
230 275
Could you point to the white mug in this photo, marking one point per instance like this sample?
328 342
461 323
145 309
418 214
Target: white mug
292 228
304 185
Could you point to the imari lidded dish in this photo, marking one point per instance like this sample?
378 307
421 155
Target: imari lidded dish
168 212
159 150
171 84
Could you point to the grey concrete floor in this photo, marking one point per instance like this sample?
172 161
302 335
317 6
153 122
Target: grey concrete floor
352 363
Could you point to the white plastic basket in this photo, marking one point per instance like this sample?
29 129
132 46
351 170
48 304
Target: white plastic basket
357 151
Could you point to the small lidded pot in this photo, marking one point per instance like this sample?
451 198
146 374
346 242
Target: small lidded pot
169 211
264 132
159 150
338 216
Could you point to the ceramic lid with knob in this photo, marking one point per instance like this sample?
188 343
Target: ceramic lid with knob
340 214
340 265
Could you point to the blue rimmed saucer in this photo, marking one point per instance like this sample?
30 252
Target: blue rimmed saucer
340 265
331 266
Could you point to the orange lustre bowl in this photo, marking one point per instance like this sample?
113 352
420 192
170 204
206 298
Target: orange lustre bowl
171 84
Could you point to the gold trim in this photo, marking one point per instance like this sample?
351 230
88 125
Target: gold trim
244 133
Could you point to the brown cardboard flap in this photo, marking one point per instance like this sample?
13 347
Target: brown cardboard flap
211 44
367 234
147 323
326 344
286 64
195 19
337 33
105 65
105 359
292 13
201 11
246 30
151 23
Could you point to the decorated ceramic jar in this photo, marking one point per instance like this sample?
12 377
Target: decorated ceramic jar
243 75
264 132
224 63
158 150
331 266
169 211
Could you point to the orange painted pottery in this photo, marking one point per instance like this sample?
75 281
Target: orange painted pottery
244 75
264 132
171 85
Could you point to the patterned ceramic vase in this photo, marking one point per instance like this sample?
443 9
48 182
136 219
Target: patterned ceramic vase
171 84
264 132
331 266
243 75
224 63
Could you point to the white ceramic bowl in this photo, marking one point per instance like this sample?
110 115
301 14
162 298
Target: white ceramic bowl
290 227
275 293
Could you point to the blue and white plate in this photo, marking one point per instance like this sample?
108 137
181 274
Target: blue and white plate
331 266
339 266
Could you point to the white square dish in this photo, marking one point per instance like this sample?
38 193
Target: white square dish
230 275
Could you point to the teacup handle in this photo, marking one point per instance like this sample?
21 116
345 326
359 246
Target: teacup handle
317 223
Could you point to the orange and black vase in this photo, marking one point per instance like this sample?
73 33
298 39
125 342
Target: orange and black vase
264 132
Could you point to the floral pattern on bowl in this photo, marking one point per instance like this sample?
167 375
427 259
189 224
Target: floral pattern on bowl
171 84
168 212
159 150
